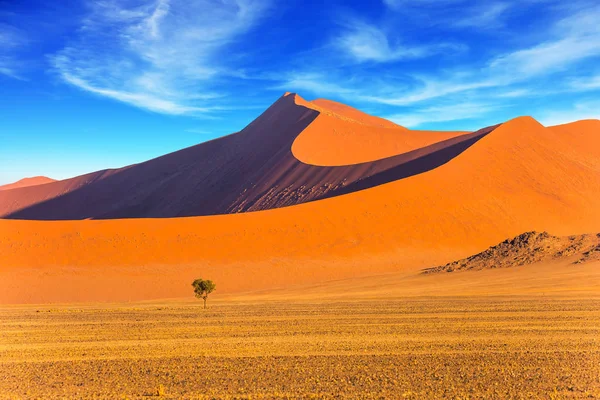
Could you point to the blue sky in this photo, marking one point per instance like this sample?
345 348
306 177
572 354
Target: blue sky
91 84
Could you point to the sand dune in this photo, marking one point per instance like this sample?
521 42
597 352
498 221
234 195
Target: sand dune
252 170
348 136
25 182
520 177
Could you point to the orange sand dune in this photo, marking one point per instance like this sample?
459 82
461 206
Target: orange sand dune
33 181
345 111
254 169
331 140
520 177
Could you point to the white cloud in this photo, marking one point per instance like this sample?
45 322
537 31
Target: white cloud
400 4
580 111
366 42
584 84
199 131
159 55
9 37
140 99
380 92
430 89
392 3
11 40
441 113
571 39
546 58
575 38
515 93
483 16
8 67
314 83
462 14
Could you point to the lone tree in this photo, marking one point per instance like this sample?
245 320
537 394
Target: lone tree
203 288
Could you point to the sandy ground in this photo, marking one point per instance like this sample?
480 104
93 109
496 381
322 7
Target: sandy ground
538 347
518 332
98 261
554 278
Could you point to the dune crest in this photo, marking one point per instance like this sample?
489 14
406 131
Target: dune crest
353 114
25 182
334 141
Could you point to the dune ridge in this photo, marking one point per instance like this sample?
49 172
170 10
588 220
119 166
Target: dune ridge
25 182
344 111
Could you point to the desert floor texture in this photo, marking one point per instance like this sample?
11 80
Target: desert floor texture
438 347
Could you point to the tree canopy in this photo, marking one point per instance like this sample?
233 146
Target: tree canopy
202 288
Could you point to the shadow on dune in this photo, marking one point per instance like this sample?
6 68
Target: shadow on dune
251 170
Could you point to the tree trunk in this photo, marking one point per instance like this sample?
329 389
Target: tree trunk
205 302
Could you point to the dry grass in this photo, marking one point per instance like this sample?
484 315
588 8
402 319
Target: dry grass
414 348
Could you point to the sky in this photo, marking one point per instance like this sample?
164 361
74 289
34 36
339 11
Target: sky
93 84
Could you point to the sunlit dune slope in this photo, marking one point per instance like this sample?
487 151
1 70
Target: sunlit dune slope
251 170
520 177
348 136
25 182
347 112
583 137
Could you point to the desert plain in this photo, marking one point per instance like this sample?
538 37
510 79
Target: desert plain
411 348
503 333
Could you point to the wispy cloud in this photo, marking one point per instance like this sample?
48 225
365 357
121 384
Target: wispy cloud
314 83
584 84
576 38
441 113
418 90
7 67
461 14
400 4
11 40
199 131
366 42
430 89
573 39
485 15
474 90
545 58
143 100
385 40
581 110
159 55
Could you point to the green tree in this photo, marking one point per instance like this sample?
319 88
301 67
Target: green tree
203 288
